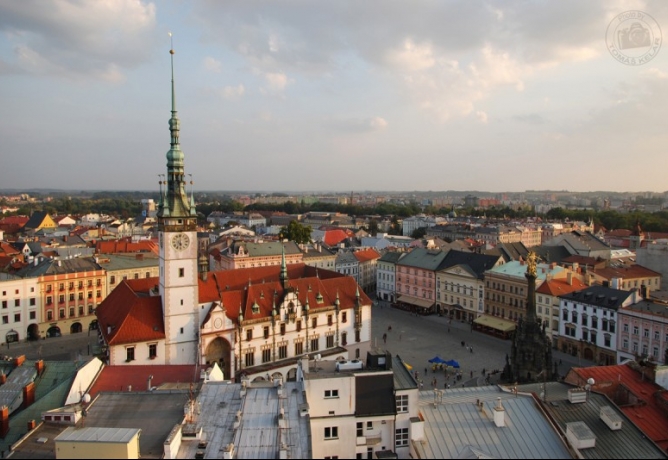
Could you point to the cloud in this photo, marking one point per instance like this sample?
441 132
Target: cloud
276 83
78 39
212 65
233 92
411 57
530 118
359 125
481 116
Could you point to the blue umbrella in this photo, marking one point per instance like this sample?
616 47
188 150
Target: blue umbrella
437 360
452 363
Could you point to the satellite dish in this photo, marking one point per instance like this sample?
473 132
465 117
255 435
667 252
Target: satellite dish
86 398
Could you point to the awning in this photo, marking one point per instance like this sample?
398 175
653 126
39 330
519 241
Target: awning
495 323
424 303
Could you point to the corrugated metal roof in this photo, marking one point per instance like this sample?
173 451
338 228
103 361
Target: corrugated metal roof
457 427
95 434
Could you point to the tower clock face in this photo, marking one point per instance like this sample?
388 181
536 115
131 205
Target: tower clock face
180 241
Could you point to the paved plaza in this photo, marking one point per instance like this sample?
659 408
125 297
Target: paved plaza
419 338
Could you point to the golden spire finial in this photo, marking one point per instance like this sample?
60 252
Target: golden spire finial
171 44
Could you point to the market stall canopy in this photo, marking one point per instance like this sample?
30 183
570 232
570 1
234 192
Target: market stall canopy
437 360
495 323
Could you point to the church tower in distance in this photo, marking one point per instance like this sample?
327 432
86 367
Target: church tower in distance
177 233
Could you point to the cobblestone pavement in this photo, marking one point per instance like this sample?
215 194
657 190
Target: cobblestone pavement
419 338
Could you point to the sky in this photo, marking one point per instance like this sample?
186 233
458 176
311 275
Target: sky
336 95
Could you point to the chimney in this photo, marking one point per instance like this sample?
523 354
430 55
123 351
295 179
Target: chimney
3 378
19 360
569 278
39 365
31 424
139 256
28 394
4 421
499 414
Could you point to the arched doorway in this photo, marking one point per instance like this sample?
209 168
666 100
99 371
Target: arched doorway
292 375
75 328
588 354
219 351
53 331
277 376
93 325
12 336
33 332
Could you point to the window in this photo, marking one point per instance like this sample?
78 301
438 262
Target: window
71 311
584 319
299 325
17 317
314 322
153 351
593 337
635 347
112 280
90 294
332 432
49 301
401 437
80 296
282 328
49 315
33 315
585 336
315 344
90 309
574 317
344 339
182 272
626 328
17 302
71 286
625 344
402 403
565 316
594 322
369 425
646 333
250 359
299 348
81 310
61 299
249 334
136 276
266 332
357 336
606 340
266 355
635 330
330 320
331 393
360 429
344 317
61 313
98 294
656 335
330 341
282 351
611 326
130 354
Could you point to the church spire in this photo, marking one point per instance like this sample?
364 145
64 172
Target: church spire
175 201
283 276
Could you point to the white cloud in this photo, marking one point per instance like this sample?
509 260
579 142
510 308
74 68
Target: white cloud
481 116
411 57
276 82
97 39
233 92
212 65
359 125
378 123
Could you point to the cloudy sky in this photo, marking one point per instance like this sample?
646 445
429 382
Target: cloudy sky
334 95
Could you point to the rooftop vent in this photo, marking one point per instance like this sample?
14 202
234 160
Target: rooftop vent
611 418
580 436
577 395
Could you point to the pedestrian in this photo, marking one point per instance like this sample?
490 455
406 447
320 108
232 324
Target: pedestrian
445 385
483 371
434 382
448 386
389 328
471 349
425 371
471 374
385 338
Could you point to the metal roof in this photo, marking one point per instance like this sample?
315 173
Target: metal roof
94 434
458 428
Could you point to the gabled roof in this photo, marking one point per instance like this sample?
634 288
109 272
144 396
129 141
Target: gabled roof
366 255
334 237
626 272
38 219
557 287
477 264
615 381
599 296
128 315
120 378
116 247
391 257
426 259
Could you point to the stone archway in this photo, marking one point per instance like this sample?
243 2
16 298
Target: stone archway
277 375
219 351
33 332
75 328
53 331
292 375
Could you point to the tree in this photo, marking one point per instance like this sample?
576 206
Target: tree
296 232
373 227
419 233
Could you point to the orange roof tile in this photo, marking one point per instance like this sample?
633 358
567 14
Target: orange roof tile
120 378
647 414
366 255
557 287
334 237
128 316
627 272
115 247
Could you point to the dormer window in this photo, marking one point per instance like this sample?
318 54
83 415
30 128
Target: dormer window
256 308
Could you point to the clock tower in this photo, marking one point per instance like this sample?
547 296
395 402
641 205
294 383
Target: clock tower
177 233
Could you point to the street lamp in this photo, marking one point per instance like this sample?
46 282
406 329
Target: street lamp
590 383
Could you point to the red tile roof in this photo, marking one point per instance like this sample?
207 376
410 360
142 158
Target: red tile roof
131 315
115 247
334 237
628 272
366 255
119 378
648 413
620 232
557 287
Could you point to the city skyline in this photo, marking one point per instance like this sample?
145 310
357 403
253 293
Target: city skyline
303 96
